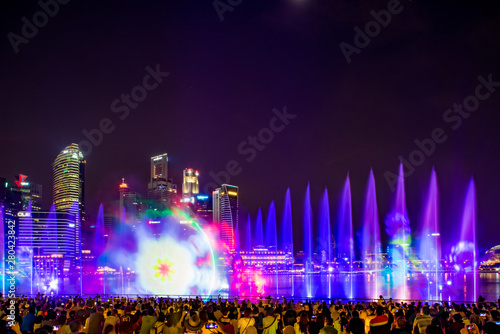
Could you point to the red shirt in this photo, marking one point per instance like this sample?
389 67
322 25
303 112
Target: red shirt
379 320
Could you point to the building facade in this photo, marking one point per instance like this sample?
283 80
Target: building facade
161 192
69 180
203 208
190 185
268 259
132 205
52 238
225 214
21 195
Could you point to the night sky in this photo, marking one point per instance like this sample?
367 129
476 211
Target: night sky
224 79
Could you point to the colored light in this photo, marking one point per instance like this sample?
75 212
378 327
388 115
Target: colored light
53 284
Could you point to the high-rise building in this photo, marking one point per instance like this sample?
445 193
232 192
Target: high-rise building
3 189
68 180
19 195
203 208
110 223
216 205
161 191
190 185
69 190
131 204
225 213
53 238
159 166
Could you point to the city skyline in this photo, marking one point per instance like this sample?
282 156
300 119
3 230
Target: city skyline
225 219
275 95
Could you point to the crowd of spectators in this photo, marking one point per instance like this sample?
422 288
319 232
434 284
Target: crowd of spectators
158 315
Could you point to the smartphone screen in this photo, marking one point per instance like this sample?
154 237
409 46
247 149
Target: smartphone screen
470 327
211 325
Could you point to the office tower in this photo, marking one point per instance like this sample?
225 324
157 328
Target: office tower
69 190
53 238
110 223
225 213
161 191
3 189
68 179
159 166
19 194
203 208
132 204
36 196
190 186
216 205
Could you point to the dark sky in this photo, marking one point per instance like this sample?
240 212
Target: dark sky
225 78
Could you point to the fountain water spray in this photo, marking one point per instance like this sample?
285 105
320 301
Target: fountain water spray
325 238
397 226
287 234
259 233
272 237
308 239
430 242
370 245
345 233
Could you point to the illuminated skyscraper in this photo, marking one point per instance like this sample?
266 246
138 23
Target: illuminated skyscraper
203 208
69 172
190 186
69 191
21 193
225 213
159 166
160 190
53 238
131 204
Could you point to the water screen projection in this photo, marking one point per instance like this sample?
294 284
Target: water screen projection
169 252
168 255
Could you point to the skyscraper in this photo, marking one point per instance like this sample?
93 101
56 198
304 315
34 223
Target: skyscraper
131 204
160 190
53 238
159 166
69 174
190 186
225 213
3 189
20 194
203 208
69 190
